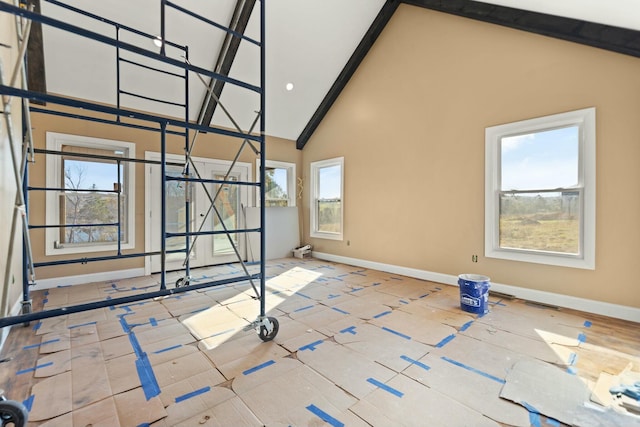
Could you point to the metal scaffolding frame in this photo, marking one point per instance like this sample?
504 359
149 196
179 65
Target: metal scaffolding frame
267 327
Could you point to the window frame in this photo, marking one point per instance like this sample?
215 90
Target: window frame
55 142
315 168
291 179
585 120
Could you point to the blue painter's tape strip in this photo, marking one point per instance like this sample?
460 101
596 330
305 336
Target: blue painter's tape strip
311 346
147 377
572 370
356 289
466 326
143 425
82 325
406 337
350 330
303 295
28 347
257 368
385 387
44 301
376 284
445 341
143 366
534 415
24 371
304 308
552 422
587 324
404 302
28 403
573 358
192 394
37 326
163 350
423 296
324 416
332 296
339 311
153 321
415 362
384 313
474 370
582 338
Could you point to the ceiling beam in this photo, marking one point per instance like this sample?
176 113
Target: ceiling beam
602 36
385 14
615 39
226 56
36 74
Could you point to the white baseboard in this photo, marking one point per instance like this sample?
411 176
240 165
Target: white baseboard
16 310
87 278
591 306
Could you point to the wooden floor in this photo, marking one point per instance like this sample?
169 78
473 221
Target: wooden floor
355 347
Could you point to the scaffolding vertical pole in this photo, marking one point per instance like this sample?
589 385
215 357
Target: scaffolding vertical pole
263 159
163 207
187 184
119 206
118 71
162 28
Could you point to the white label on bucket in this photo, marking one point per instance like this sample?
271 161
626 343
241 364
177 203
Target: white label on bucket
469 300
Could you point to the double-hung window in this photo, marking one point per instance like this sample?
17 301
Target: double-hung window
327 204
91 193
279 183
540 190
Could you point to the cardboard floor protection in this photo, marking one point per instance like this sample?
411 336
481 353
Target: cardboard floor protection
403 401
548 390
346 368
381 346
469 386
297 397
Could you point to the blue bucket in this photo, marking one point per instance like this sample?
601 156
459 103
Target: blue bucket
474 293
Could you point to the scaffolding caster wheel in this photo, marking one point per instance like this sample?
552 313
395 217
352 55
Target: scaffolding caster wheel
12 413
181 282
26 309
268 328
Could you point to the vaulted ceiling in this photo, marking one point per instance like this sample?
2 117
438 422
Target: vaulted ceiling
315 46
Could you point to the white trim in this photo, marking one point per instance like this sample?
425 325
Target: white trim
55 141
582 304
15 311
313 223
208 162
82 279
586 120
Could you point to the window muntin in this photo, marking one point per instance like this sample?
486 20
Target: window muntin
327 203
90 191
534 215
540 190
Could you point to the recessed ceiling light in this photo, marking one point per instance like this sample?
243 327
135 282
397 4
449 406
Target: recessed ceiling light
289 86
157 41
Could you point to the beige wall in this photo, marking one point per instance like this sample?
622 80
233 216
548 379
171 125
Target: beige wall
7 178
410 125
207 145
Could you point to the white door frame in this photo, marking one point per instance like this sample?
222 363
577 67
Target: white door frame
210 164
